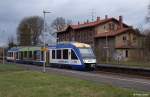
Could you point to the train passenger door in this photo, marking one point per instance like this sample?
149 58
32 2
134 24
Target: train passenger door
69 55
74 58
14 55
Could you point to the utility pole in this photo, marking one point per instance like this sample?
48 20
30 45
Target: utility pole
3 52
44 63
107 54
3 55
93 14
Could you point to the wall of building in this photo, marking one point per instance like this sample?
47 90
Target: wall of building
129 54
85 35
110 26
127 38
101 50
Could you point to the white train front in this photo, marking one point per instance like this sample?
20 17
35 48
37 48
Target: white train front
74 55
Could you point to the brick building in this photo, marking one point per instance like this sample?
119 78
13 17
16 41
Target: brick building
109 37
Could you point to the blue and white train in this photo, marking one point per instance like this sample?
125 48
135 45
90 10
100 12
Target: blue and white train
74 55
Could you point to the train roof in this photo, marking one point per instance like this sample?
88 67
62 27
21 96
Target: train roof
76 44
14 49
59 45
30 48
81 45
24 48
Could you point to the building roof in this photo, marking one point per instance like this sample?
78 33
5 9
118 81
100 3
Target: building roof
125 47
112 33
91 24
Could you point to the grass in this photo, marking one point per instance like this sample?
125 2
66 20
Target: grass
17 82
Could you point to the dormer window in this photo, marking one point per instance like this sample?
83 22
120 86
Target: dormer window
111 26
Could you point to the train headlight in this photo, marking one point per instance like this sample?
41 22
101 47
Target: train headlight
89 60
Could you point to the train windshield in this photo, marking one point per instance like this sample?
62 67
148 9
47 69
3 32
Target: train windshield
87 53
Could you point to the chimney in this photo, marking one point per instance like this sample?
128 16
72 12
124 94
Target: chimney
121 21
78 23
106 16
98 18
87 21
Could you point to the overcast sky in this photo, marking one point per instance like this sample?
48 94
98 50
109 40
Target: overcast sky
13 11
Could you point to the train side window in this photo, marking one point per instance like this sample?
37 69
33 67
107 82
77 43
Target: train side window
58 54
11 54
21 55
73 55
17 57
25 54
8 54
30 54
65 54
53 54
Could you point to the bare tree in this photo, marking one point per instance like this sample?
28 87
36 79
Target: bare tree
146 43
29 30
60 23
148 14
11 42
147 39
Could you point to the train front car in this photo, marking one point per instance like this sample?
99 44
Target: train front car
78 56
87 56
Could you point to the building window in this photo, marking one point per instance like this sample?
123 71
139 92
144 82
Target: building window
65 54
126 53
113 26
124 38
110 26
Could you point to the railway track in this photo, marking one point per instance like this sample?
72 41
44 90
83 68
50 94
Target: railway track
136 71
120 70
